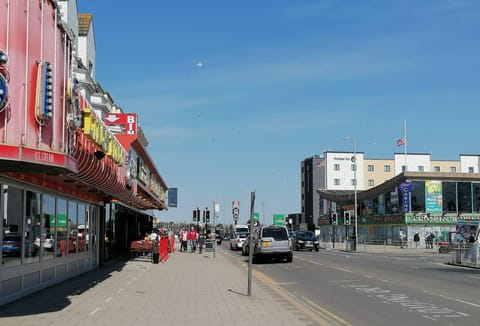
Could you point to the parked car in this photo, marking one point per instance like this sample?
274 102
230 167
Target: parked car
237 241
47 242
271 242
12 245
305 240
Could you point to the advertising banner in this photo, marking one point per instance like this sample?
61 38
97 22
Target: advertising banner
433 196
172 197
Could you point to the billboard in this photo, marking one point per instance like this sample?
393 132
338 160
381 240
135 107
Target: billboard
172 197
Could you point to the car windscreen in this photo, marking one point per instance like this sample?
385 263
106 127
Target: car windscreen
276 233
306 234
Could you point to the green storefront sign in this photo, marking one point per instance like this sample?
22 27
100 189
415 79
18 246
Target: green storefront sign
423 218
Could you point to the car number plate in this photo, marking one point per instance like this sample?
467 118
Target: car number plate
266 244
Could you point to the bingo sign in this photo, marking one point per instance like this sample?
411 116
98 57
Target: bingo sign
405 188
128 120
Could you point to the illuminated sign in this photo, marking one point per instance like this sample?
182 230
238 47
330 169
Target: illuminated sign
97 131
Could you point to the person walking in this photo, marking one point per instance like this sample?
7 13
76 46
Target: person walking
192 237
416 239
183 240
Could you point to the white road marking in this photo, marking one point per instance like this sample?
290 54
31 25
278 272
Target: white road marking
95 311
343 270
107 300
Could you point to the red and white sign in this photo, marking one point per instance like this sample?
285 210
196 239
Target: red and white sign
129 120
235 203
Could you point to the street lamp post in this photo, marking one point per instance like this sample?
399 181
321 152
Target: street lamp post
354 160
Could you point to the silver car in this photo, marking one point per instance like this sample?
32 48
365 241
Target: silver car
272 242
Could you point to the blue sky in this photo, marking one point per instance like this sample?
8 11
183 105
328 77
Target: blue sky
282 81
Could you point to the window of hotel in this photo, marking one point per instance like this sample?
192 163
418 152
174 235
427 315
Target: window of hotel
371 168
354 167
418 196
386 168
420 168
476 197
371 183
436 168
336 182
470 169
453 169
449 196
464 194
404 168
353 182
336 167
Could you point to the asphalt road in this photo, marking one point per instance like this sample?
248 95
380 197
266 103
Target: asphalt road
351 288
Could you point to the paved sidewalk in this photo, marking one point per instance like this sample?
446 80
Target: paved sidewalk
189 289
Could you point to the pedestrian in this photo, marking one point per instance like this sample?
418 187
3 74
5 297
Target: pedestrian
183 240
416 239
474 251
201 241
401 235
192 237
428 238
432 238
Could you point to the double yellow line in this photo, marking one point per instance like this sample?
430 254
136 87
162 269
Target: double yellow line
316 313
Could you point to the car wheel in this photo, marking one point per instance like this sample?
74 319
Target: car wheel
316 249
290 258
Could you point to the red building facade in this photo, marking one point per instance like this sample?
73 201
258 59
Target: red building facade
72 173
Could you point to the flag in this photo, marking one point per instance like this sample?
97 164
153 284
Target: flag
401 141
320 164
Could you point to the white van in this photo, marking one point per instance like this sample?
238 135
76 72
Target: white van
241 228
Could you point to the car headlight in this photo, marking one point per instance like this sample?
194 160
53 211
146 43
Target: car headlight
300 241
316 242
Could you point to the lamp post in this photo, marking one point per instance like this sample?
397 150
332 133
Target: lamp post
354 160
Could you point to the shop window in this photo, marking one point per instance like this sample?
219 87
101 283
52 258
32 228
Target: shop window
72 227
13 239
32 227
60 220
83 235
336 182
49 231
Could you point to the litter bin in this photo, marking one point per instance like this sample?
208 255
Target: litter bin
458 255
351 245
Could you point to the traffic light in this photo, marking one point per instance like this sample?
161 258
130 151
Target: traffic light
207 215
194 215
334 219
346 218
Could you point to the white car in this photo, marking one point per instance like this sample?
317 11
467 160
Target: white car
236 242
47 242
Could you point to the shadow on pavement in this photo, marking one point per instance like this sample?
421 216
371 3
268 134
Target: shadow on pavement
56 297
